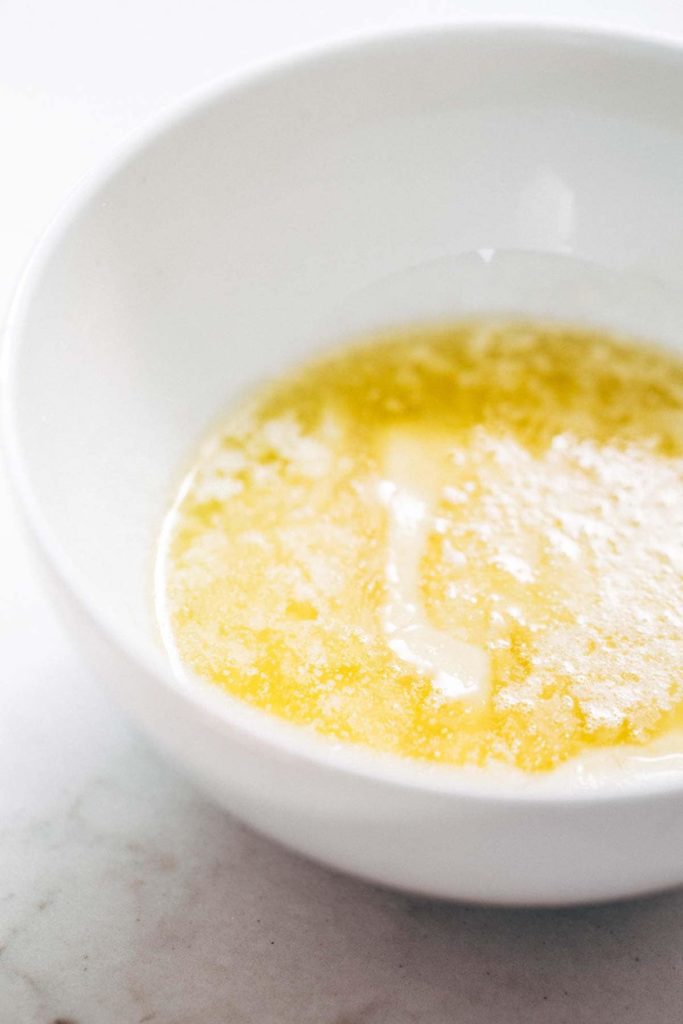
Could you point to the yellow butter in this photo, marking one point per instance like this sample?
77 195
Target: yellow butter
460 544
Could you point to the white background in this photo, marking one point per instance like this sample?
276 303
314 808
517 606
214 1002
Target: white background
124 897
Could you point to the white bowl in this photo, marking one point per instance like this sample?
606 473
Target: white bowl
249 227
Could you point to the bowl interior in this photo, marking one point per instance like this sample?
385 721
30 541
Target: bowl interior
328 195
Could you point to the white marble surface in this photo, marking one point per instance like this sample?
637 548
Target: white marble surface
124 896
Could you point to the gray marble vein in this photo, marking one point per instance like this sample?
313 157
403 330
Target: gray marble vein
137 901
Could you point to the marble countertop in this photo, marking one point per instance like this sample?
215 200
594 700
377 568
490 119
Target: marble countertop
126 897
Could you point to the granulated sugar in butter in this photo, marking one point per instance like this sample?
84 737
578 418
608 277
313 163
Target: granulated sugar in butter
461 545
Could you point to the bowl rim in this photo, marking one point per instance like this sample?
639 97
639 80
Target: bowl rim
213 709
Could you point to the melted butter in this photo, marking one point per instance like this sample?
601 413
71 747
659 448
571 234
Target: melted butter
410 490
462 545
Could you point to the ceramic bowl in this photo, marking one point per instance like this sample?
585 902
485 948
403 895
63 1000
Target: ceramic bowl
431 173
